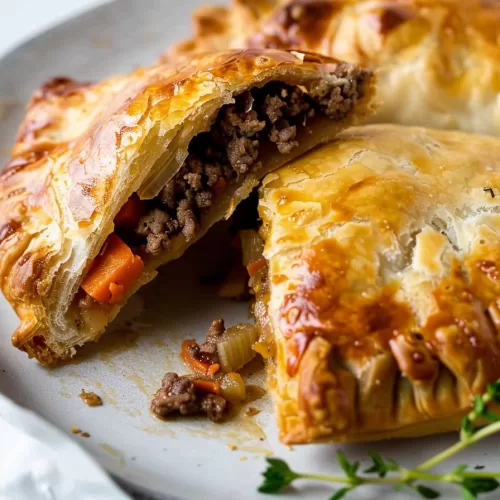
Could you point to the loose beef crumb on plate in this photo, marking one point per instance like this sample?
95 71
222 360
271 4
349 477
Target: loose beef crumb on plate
179 395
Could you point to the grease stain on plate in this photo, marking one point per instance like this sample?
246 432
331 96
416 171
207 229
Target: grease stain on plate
114 452
65 394
163 431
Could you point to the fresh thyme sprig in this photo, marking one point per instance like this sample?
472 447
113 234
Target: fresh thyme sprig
387 471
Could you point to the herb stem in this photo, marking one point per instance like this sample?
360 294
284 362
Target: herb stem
459 446
325 477
475 475
473 415
405 477
357 480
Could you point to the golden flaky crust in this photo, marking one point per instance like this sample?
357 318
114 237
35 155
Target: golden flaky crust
83 149
438 60
384 275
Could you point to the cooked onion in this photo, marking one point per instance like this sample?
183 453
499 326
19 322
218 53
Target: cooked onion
265 346
233 387
235 346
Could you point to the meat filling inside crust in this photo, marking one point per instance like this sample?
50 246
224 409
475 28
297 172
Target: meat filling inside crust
231 148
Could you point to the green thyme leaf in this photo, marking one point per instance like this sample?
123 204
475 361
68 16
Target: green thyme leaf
276 476
493 391
392 465
340 493
343 462
427 492
492 417
478 485
479 405
466 494
467 426
459 469
354 468
350 468
378 465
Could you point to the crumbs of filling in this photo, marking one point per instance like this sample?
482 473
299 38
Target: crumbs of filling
179 395
207 350
90 398
231 148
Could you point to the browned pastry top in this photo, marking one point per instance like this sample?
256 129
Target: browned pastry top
384 274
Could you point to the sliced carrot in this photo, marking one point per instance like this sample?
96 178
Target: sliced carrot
219 187
113 273
117 293
207 386
130 213
254 266
213 369
193 363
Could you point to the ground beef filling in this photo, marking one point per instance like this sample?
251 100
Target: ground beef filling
207 350
179 395
231 148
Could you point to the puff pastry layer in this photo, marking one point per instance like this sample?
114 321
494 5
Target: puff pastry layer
384 282
438 61
84 149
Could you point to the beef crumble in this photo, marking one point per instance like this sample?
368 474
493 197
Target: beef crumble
178 394
207 350
272 114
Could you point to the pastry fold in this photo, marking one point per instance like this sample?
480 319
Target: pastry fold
110 180
438 61
383 284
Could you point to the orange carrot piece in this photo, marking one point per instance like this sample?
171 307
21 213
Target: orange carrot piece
254 266
219 187
130 213
207 386
193 363
213 369
113 273
117 293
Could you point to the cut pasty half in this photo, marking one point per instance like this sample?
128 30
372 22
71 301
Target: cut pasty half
110 180
438 61
382 289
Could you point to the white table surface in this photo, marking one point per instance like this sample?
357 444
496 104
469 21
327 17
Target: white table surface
20 20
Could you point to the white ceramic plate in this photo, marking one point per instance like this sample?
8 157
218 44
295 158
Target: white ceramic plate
189 459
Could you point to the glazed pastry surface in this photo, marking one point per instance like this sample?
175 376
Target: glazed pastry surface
383 250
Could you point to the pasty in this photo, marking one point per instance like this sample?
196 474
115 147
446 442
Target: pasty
382 284
110 180
438 61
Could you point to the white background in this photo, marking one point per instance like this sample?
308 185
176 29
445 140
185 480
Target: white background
20 20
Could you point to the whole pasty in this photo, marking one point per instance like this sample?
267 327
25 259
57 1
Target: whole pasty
382 288
110 180
438 61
